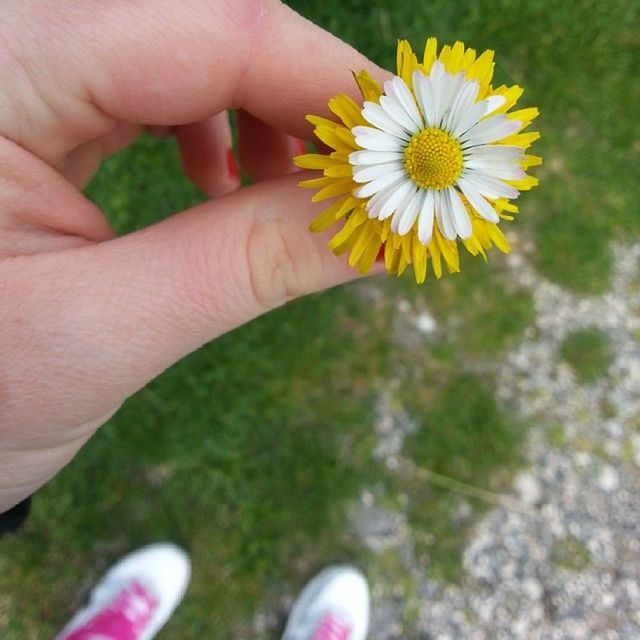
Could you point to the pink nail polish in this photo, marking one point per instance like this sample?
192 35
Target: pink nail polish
232 165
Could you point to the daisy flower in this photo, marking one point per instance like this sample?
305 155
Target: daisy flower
432 159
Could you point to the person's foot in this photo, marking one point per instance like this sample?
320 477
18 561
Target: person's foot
135 598
333 606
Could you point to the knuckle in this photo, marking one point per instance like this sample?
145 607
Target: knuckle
277 259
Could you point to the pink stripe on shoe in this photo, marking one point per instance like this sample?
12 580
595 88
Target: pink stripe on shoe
330 628
125 618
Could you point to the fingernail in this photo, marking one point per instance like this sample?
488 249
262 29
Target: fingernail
232 165
299 147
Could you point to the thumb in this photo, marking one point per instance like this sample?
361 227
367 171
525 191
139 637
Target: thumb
109 317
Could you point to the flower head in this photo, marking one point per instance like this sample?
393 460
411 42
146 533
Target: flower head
432 158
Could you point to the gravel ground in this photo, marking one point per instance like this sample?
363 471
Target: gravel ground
559 557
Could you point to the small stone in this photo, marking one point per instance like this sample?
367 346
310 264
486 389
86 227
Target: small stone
515 260
392 463
367 498
582 458
426 323
608 600
614 428
608 479
532 588
404 306
528 488
613 448
462 513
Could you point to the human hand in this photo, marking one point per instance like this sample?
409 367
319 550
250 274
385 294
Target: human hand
86 318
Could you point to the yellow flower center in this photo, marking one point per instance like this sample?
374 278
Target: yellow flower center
433 159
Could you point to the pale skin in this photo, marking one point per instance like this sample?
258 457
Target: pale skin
87 318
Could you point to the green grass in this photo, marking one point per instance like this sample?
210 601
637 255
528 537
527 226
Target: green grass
588 352
571 554
556 434
483 312
247 451
465 435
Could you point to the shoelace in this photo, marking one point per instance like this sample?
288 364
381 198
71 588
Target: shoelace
331 628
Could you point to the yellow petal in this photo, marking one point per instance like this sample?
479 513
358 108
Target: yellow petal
531 161
339 171
524 115
511 94
347 110
419 259
316 183
469 59
406 62
337 188
482 71
365 235
333 138
430 53
456 60
525 184
333 213
313 161
369 88
524 140
436 261
370 254
498 238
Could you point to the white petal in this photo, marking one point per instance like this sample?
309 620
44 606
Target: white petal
396 199
442 92
444 215
463 102
411 212
503 169
376 140
378 201
397 88
424 96
483 208
395 111
490 130
467 119
378 117
425 220
497 152
457 83
478 111
436 73
366 158
461 219
494 102
378 184
405 206
366 174
489 187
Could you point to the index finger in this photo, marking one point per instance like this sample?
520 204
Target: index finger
170 62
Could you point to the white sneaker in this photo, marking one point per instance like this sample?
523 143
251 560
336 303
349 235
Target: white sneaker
333 606
135 598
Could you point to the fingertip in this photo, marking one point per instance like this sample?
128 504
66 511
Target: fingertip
207 155
265 153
